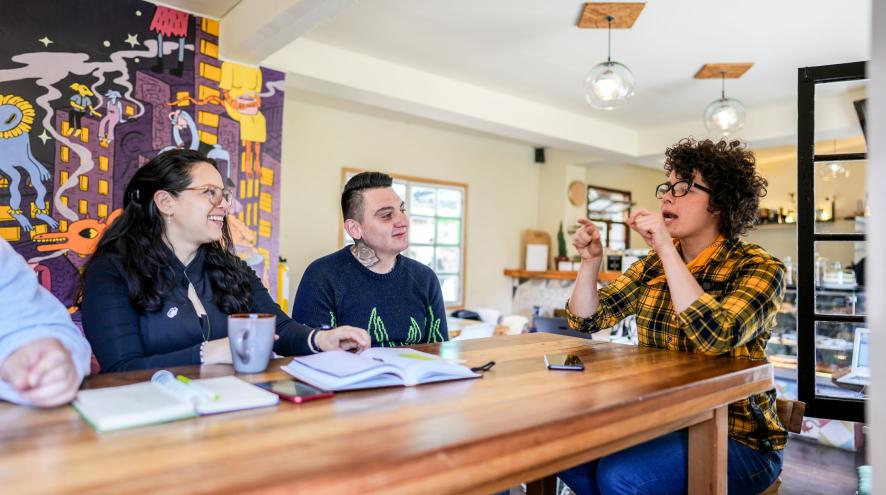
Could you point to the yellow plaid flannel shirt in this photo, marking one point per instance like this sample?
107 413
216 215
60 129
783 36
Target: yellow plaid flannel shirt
743 289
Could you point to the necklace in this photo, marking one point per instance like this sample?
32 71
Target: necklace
199 307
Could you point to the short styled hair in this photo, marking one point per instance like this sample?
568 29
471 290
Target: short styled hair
352 196
729 169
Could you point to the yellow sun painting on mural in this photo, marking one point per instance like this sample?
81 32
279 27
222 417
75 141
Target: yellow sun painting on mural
16 116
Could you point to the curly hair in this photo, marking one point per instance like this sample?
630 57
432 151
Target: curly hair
729 169
134 240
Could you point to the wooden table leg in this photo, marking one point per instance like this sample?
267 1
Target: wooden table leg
544 486
707 454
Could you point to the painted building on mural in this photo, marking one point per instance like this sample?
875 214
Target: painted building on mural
184 97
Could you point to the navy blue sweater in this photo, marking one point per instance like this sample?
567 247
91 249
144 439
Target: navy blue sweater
399 308
124 338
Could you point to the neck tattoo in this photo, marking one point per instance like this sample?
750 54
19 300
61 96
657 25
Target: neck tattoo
364 254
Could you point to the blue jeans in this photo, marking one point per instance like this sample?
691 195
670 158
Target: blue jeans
660 466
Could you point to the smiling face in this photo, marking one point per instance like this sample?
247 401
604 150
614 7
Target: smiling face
383 224
195 220
688 216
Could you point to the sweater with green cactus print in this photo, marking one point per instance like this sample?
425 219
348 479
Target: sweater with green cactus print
400 308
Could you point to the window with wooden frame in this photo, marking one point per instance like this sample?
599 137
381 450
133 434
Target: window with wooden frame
437 213
609 209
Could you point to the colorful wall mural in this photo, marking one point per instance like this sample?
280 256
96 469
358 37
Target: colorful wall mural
90 90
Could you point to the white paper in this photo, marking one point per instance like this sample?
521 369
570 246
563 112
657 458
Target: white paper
536 257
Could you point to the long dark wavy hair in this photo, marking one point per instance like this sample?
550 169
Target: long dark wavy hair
729 168
135 240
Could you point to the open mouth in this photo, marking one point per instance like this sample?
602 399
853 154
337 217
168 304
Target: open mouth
217 219
668 216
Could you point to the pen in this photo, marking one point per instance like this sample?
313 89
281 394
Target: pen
197 388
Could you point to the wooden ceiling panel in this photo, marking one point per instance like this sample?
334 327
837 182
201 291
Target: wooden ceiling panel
716 71
593 16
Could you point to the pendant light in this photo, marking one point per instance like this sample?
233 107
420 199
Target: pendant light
725 115
833 170
609 84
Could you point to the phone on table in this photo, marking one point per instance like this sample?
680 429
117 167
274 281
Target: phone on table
564 362
294 391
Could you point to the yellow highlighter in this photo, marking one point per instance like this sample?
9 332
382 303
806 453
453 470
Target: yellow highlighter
205 392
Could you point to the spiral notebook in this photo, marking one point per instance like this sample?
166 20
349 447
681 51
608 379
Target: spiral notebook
162 400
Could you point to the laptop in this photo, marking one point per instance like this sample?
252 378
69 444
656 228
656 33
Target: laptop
558 326
861 365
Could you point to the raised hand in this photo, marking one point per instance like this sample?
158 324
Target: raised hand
587 241
651 226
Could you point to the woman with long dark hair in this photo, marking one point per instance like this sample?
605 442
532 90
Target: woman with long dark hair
164 277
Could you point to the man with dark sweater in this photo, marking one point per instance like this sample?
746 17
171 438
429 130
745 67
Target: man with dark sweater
370 284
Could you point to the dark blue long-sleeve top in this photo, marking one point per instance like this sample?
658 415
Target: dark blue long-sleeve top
399 308
124 338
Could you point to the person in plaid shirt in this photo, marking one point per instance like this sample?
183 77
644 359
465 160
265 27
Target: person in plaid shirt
700 289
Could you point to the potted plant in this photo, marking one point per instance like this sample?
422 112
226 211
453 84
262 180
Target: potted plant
562 260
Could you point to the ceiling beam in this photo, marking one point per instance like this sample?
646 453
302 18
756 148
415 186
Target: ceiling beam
254 29
345 74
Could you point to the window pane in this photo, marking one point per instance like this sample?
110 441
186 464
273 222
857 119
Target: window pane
451 286
618 236
400 189
835 103
424 201
840 196
422 230
839 371
839 278
449 202
608 205
603 228
422 254
448 231
448 260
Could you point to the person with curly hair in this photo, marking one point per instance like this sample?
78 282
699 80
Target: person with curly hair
158 290
701 290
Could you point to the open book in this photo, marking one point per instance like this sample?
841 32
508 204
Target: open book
375 367
165 398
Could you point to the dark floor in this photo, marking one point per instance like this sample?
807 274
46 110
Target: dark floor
809 469
813 469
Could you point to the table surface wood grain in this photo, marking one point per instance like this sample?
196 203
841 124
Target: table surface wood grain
519 422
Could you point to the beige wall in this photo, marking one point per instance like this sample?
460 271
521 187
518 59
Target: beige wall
321 136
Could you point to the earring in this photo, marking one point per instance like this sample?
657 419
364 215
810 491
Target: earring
169 219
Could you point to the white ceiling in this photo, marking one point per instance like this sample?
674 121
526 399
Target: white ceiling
532 48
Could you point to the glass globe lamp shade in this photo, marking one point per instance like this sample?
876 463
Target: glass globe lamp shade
724 116
609 85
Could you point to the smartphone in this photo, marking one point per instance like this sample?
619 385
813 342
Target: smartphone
564 362
294 391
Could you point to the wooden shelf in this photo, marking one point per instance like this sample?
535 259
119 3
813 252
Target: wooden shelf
557 275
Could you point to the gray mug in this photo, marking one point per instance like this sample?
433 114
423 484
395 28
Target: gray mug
251 336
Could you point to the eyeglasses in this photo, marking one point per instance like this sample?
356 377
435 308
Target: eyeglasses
679 188
214 194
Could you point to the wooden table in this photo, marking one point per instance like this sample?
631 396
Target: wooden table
519 422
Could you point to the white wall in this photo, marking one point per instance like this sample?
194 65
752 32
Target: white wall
876 265
322 135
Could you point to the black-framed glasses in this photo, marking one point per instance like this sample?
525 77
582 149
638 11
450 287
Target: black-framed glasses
679 188
214 194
